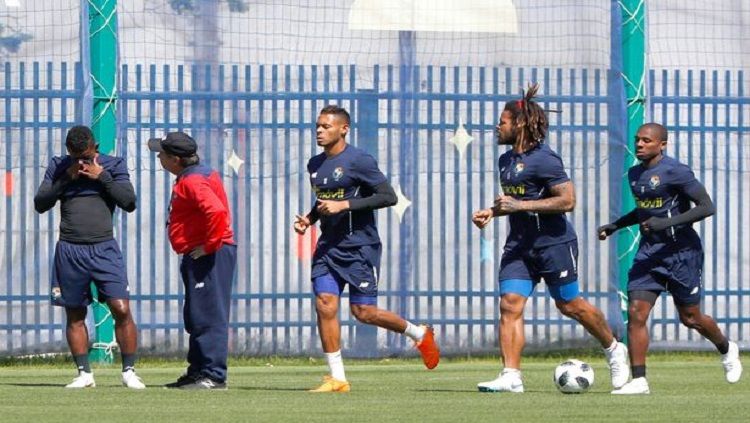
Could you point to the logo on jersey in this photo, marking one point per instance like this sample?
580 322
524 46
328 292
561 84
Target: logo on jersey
338 173
519 168
654 181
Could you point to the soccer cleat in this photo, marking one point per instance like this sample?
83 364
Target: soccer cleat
333 385
429 348
83 380
204 382
637 386
731 363
505 382
185 379
619 370
131 380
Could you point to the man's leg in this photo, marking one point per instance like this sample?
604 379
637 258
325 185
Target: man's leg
127 338
77 335
512 338
639 308
329 328
692 317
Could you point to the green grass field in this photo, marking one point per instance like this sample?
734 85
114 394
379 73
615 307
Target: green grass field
685 388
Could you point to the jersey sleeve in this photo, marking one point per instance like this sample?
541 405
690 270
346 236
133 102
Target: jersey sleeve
367 172
552 171
683 179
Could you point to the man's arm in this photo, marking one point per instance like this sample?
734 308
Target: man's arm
704 208
116 183
562 199
51 189
629 219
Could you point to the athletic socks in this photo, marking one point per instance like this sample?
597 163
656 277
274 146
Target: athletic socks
336 365
128 362
638 371
415 332
82 363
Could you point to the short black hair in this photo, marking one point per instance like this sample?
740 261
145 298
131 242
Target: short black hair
333 109
79 138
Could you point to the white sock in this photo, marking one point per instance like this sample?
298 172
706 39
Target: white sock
510 370
336 365
611 348
415 332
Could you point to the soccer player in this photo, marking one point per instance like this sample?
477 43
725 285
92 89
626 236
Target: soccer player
89 185
541 243
199 228
670 254
349 186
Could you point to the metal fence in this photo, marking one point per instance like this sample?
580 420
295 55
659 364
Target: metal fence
437 268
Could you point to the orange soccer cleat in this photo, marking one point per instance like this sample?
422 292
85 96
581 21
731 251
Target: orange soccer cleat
429 348
333 385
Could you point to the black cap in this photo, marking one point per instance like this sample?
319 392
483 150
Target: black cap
177 144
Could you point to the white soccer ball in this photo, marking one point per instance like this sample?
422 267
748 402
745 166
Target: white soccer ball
574 377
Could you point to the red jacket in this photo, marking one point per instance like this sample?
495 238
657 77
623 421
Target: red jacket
199 212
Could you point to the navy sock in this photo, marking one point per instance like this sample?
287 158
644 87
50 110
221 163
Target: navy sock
82 362
638 371
723 347
128 362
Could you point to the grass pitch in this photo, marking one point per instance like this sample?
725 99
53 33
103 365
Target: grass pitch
685 388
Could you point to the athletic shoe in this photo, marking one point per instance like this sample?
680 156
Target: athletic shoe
333 385
131 380
204 382
429 348
619 370
637 386
185 379
731 363
83 380
506 382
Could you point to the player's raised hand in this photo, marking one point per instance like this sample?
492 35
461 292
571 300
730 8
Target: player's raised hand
73 170
481 218
329 207
91 169
301 223
606 230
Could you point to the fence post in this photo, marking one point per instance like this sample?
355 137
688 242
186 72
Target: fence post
103 55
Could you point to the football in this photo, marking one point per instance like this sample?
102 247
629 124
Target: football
573 377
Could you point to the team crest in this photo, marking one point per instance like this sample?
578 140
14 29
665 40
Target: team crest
519 168
338 173
654 181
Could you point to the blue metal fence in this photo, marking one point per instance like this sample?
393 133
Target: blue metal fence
437 268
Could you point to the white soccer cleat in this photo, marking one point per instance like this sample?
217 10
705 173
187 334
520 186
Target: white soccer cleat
505 382
83 380
637 386
731 363
619 370
131 380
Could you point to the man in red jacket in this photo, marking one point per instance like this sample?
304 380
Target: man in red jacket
200 230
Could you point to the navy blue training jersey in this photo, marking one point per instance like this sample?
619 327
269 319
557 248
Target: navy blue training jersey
350 174
87 205
530 176
660 192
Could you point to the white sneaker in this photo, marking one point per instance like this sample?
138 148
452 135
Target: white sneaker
731 363
131 380
83 380
619 370
505 382
637 386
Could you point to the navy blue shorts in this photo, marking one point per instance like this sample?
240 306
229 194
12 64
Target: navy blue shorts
358 267
557 264
77 265
678 271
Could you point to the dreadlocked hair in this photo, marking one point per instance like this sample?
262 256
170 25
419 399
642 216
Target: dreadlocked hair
529 118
